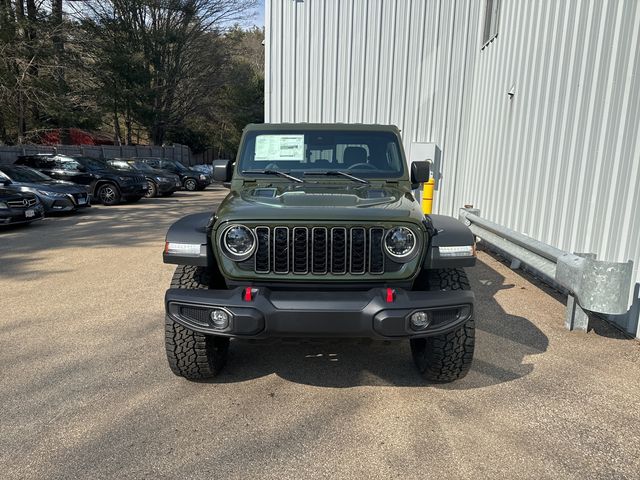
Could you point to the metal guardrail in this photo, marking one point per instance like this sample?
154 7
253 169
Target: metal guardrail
594 285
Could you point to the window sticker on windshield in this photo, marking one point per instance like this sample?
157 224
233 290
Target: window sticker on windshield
279 147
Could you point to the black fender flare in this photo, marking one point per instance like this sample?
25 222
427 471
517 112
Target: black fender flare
191 230
448 232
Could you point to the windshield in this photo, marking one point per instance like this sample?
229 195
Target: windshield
141 166
24 174
91 163
180 167
372 154
121 165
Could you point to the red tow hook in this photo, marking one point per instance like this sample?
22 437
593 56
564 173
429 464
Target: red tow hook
247 294
391 295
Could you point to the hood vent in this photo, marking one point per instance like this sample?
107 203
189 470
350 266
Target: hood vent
265 192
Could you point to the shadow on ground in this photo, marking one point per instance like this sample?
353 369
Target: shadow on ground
98 227
503 342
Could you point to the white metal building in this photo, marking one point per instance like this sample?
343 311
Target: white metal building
535 105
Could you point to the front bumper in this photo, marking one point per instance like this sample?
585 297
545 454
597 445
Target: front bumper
360 314
13 216
68 203
168 187
134 190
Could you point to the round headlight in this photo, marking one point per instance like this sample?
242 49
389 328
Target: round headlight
239 242
400 243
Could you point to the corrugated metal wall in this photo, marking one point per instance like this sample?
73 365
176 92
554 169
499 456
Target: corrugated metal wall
401 62
559 161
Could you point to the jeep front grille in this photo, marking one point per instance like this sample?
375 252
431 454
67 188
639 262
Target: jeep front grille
319 250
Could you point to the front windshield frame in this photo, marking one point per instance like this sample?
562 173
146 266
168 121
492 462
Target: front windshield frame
381 147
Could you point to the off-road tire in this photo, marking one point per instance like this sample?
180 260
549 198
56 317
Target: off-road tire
447 357
193 355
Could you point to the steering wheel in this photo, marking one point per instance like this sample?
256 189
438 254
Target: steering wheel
367 165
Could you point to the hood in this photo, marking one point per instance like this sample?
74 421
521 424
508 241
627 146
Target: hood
162 173
8 193
53 186
114 171
321 202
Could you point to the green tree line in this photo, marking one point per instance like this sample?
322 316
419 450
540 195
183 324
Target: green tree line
140 71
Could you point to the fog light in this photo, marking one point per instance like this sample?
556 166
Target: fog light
219 318
420 320
464 312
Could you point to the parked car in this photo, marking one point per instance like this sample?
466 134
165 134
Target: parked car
160 182
191 179
55 195
105 183
18 207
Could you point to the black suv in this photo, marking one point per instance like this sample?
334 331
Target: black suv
160 182
18 207
106 184
191 179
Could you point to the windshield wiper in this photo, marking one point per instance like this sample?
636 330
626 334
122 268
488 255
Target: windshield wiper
338 173
273 172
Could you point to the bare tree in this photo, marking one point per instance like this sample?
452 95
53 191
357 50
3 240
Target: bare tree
169 37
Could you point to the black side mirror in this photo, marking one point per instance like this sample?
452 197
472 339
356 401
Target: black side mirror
222 170
420 172
6 181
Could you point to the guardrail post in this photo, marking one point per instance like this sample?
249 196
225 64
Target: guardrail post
575 318
597 286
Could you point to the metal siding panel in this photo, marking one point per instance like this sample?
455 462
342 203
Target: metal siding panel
560 161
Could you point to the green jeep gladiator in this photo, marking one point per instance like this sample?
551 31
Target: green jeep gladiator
320 236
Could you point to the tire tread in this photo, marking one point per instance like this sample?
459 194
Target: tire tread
447 357
190 354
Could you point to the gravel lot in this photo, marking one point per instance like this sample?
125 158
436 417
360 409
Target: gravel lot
85 391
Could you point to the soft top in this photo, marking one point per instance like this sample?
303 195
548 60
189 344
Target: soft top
323 126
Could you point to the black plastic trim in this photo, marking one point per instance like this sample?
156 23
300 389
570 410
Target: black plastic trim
448 232
319 314
193 229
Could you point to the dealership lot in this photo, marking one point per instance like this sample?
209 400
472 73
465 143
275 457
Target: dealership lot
86 392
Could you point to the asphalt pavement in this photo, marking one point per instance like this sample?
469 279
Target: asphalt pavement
85 390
